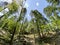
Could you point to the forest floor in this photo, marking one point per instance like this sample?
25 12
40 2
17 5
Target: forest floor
32 38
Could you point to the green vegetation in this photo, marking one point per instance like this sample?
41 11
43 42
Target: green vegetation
0 8
17 30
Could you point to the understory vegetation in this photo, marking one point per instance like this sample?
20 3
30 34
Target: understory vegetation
16 29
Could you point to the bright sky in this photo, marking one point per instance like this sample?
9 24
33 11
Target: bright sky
32 5
9 1
35 4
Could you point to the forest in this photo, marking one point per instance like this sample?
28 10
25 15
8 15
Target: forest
16 29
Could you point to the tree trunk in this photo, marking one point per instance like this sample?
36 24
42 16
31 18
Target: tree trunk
12 37
38 29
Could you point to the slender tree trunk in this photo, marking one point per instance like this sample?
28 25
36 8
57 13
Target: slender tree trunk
38 29
34 38
12 37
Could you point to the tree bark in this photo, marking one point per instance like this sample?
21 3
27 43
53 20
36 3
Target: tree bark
11 41
38 29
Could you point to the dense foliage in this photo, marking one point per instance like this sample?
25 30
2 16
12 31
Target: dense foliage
15 28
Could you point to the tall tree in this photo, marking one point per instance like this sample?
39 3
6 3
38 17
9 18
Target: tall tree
39 20
10 22
53 11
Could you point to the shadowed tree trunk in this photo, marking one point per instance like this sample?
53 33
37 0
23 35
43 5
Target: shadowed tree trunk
11 41
38 29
